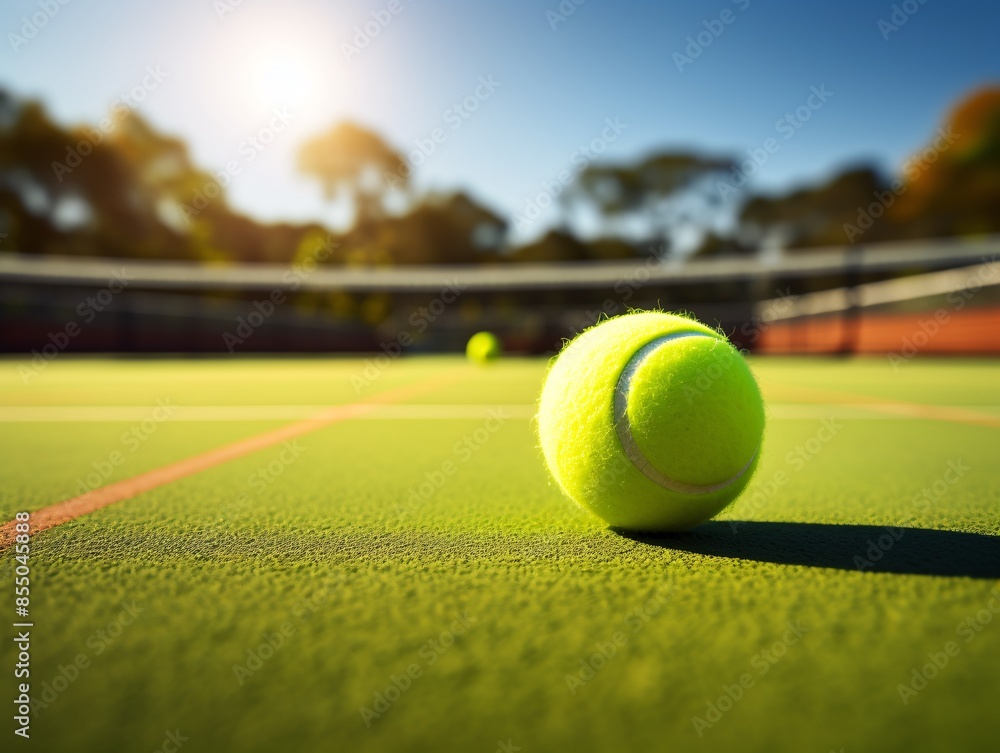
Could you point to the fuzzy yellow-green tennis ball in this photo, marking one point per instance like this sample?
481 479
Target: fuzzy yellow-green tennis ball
652 421
483 347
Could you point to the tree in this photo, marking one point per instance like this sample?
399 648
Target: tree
714 245
664 196
952 186
554 246
949 187
119 189
451 229
815 215
78 190
354 162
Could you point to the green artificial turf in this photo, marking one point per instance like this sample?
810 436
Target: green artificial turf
434 553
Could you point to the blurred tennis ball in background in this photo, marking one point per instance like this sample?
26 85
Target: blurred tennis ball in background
483 347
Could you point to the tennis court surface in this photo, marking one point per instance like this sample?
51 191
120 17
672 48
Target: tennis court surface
390 560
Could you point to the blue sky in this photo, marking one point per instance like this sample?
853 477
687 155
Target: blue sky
226 65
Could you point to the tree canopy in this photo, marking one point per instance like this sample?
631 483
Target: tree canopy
121 188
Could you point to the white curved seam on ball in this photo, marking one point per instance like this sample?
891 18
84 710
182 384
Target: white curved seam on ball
624 427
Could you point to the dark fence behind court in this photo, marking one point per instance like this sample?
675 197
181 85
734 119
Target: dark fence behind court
840 300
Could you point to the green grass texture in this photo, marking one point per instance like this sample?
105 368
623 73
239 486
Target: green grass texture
416 582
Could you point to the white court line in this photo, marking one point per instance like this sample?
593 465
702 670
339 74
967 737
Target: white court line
222 413
867 411
132 413
876 411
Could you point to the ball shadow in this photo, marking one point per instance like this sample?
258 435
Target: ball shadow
908 551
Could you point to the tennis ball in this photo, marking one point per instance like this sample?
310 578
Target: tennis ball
483 347
652 421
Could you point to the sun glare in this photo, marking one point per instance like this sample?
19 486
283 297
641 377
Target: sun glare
266 59
279 77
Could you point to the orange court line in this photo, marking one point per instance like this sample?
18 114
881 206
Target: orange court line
954 414
70 509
